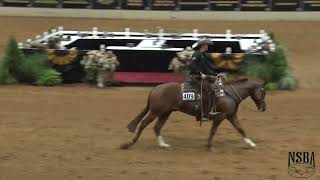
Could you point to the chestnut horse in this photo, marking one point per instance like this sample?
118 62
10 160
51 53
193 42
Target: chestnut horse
166 98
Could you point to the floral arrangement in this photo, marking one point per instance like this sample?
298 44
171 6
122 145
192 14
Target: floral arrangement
97 64
180 63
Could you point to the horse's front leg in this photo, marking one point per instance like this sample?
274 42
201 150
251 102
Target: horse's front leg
236 124
215 124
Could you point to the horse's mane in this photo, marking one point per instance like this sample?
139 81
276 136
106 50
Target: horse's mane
242 79
237 80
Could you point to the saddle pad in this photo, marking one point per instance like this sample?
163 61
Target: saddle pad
189 92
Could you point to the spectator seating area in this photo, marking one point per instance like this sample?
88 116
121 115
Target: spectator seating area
185 5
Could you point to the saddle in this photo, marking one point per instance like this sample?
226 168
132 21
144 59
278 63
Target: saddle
191 95
201 95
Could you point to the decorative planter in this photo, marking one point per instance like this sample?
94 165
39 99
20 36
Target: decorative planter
103 77
109 76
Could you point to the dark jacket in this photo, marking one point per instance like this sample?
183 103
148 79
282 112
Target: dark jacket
202 62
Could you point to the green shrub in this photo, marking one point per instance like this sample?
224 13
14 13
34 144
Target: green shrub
287 82
5 77
231 75
273 68
257 70
13 57
49 77
271 86
272 36
277 63
32 67
16 67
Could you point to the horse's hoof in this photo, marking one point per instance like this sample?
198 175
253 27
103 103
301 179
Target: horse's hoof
211 149
131 128
249 142
164 145
125 146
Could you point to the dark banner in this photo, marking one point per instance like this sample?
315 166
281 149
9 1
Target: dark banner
227 61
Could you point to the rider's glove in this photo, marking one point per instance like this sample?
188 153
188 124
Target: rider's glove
203 76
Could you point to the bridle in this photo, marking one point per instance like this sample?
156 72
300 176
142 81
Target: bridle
261 100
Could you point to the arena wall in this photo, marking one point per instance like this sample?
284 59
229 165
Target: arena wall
162 15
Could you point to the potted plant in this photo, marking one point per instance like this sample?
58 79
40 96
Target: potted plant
99 66
180 63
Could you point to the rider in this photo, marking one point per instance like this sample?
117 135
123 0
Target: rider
202 64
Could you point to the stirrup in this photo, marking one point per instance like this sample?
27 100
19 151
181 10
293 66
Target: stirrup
214 113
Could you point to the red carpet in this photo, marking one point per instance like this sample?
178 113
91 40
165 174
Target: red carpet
143 77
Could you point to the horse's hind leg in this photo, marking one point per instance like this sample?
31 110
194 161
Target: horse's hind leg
135 122
157 129
150 117
215 124
236 124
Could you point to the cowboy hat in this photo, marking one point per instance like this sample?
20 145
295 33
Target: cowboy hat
201 43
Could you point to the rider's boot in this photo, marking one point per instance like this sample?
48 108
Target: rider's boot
213 111
198 113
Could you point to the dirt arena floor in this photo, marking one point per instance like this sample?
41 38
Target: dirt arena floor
74 131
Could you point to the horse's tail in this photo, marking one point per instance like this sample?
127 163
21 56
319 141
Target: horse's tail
132 126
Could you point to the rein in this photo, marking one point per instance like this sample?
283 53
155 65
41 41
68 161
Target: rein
241 99
236 93
201 89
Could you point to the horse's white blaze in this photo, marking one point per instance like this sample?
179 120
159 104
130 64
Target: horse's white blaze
161 142
248 141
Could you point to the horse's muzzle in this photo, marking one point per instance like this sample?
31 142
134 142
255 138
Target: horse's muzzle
262 106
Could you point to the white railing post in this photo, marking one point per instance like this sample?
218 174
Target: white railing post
228 50
228 34
195 33
60 28
102 47
20 45
160 34
28 44
38 37
45 34
127 30
94 31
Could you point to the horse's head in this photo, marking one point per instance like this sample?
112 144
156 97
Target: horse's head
258 94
